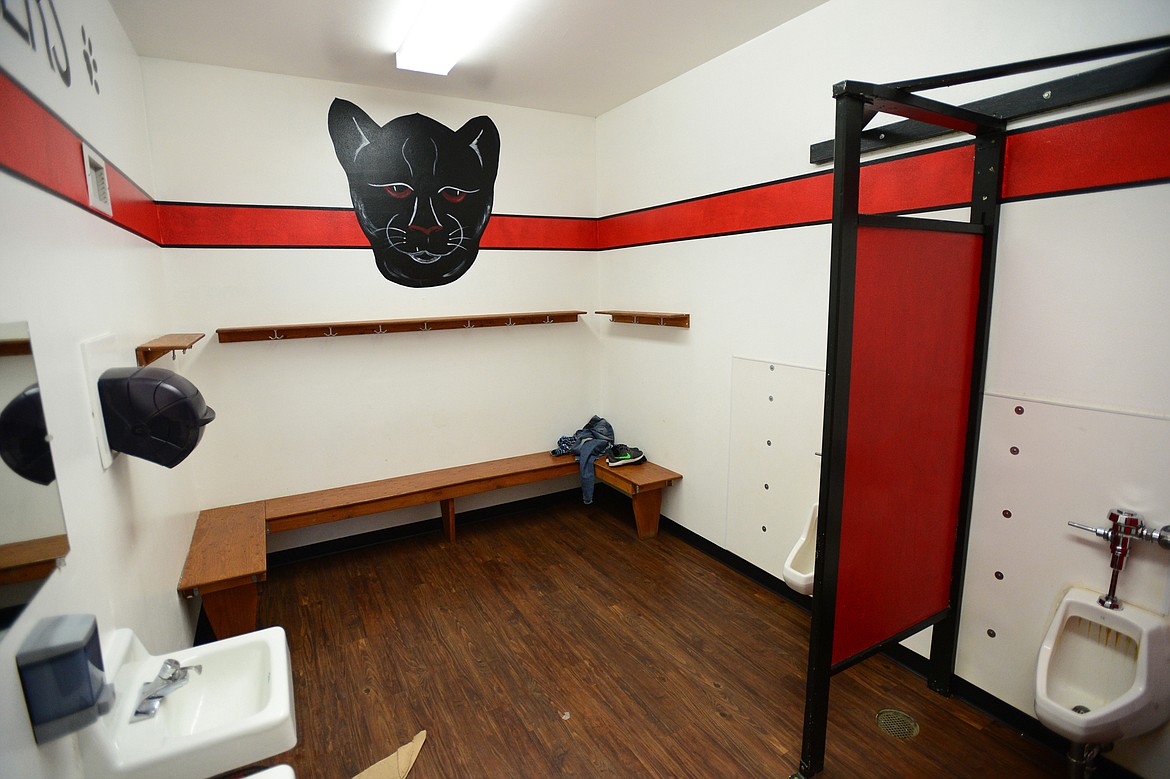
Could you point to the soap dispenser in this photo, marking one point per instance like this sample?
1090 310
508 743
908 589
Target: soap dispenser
63 676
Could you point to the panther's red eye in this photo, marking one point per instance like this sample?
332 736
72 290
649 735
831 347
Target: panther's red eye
452 195
398 190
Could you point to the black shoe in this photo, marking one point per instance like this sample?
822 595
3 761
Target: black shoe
620 454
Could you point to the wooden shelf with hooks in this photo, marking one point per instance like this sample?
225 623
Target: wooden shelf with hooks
229 335
649 318
165 344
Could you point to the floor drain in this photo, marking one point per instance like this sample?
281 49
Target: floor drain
897 723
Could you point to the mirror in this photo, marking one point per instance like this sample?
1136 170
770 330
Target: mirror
32 523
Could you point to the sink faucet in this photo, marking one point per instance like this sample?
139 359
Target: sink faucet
170 677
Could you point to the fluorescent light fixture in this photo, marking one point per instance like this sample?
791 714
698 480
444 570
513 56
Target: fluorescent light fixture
444 31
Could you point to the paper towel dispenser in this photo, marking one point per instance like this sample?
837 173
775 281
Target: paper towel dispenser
152 413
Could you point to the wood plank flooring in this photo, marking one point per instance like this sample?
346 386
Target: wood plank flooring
552 642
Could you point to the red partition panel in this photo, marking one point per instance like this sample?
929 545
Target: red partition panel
916 299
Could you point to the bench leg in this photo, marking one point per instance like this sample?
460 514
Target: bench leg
647 509
232 612
448 508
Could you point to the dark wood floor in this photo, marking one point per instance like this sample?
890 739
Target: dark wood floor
552 642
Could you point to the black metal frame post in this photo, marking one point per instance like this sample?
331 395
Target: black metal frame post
852 116
857 103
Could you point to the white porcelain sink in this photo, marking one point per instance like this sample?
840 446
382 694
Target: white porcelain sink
237 711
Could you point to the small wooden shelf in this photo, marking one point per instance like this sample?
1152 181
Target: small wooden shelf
649 318
15 347
29 560
165 344
228 335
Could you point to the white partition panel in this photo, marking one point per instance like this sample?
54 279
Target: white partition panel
773 468
1042 465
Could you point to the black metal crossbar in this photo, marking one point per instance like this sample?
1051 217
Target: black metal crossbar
1151 70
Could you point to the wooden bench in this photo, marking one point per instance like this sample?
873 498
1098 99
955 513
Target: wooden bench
228 555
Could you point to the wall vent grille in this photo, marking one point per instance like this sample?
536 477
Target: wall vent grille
96 181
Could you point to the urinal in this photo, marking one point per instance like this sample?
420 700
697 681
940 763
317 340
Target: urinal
801 562
1103 675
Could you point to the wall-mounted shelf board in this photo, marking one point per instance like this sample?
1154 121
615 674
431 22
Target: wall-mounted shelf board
165 344
15 347
28 560
229 335
649 318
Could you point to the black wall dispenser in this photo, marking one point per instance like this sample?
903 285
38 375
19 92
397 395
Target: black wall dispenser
24 438
63 676
152 413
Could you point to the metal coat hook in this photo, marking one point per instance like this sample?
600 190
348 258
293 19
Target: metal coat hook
276 336
329 333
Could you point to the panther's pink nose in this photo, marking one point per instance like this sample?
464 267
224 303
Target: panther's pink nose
424 230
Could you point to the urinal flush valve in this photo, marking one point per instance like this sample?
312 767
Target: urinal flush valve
1124 528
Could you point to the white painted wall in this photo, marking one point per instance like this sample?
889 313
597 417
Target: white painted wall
290 416
71 276
308 414
1068 267
1080 334
774 461
318 413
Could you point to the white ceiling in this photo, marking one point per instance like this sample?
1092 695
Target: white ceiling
574 56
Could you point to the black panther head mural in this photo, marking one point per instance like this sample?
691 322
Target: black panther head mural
421 191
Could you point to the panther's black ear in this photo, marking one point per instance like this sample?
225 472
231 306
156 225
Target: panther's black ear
482 136
351 130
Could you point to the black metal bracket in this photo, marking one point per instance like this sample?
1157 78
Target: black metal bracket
1148 71
882 98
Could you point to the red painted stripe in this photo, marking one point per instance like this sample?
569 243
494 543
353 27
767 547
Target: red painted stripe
539 232
1117 149
133 208
1123 148
797 201
906 184
211 225
38 146
918 182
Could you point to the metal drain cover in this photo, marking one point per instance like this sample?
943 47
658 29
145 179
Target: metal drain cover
897 723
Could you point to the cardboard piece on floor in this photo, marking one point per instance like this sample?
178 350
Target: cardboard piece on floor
397 765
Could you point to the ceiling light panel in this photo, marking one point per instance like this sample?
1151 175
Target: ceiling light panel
445 31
